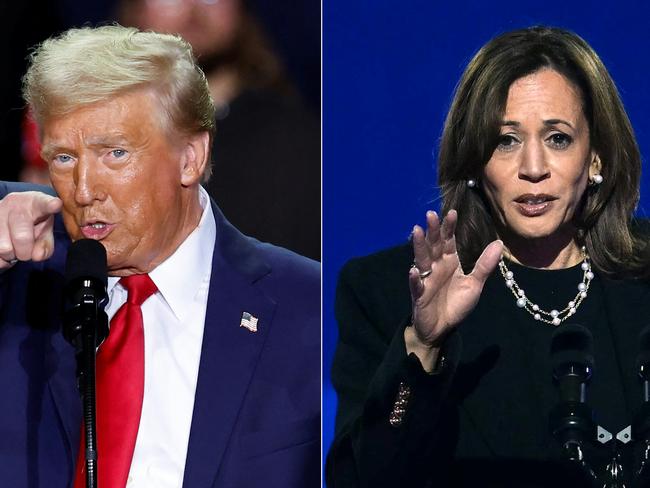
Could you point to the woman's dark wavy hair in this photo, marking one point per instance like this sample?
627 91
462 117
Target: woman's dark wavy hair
471 134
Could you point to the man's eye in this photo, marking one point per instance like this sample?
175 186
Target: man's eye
62 158
560 141
118 153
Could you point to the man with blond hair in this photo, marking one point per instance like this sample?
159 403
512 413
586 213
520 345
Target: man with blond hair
217 383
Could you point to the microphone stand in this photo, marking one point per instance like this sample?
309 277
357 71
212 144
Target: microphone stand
641 422
571 420
86 327
572 425
641 429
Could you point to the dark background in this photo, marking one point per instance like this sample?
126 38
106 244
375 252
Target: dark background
389 70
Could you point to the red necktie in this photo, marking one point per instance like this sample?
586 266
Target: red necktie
120 388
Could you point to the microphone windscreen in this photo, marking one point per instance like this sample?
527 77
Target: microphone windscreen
86 260
572 344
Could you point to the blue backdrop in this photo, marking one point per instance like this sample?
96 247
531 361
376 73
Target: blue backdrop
389 70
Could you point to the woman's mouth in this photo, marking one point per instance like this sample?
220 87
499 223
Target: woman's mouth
534 205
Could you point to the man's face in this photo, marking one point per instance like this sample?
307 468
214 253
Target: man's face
123 180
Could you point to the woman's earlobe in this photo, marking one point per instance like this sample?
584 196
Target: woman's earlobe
595 178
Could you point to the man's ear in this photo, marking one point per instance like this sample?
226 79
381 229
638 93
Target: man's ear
195 158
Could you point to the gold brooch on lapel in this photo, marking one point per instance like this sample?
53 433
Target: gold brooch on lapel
248 321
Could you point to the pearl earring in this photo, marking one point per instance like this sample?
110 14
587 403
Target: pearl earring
471 183
597 179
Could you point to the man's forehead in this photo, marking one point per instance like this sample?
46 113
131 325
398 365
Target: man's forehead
118 119
138 103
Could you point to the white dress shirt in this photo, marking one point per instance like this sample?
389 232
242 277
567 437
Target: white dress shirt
173 333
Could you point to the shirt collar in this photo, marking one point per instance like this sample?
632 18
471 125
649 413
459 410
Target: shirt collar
180 277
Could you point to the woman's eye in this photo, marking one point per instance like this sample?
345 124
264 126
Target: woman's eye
507 142
560 141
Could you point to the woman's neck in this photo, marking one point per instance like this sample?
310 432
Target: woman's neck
224 85
544 253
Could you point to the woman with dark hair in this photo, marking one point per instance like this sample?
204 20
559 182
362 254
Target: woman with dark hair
442 371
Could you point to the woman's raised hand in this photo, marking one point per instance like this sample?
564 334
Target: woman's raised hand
441 294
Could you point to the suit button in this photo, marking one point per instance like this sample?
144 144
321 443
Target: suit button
396 417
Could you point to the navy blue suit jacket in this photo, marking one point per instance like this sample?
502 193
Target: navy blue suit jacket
256 419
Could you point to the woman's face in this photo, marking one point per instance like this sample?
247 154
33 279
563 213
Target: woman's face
210 26
538 173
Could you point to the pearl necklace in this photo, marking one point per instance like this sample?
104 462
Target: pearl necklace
554 317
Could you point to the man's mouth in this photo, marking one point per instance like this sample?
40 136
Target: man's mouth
96 229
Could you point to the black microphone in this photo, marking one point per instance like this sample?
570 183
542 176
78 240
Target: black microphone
86 278
643 362
572 360
85 327
571 420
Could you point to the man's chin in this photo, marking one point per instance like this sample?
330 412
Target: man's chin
122 264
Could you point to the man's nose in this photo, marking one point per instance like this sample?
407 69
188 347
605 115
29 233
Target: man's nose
88 184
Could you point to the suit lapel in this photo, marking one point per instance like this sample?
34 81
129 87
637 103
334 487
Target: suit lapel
65 394
229 352
59 359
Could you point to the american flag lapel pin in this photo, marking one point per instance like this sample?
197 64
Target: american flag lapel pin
248 321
